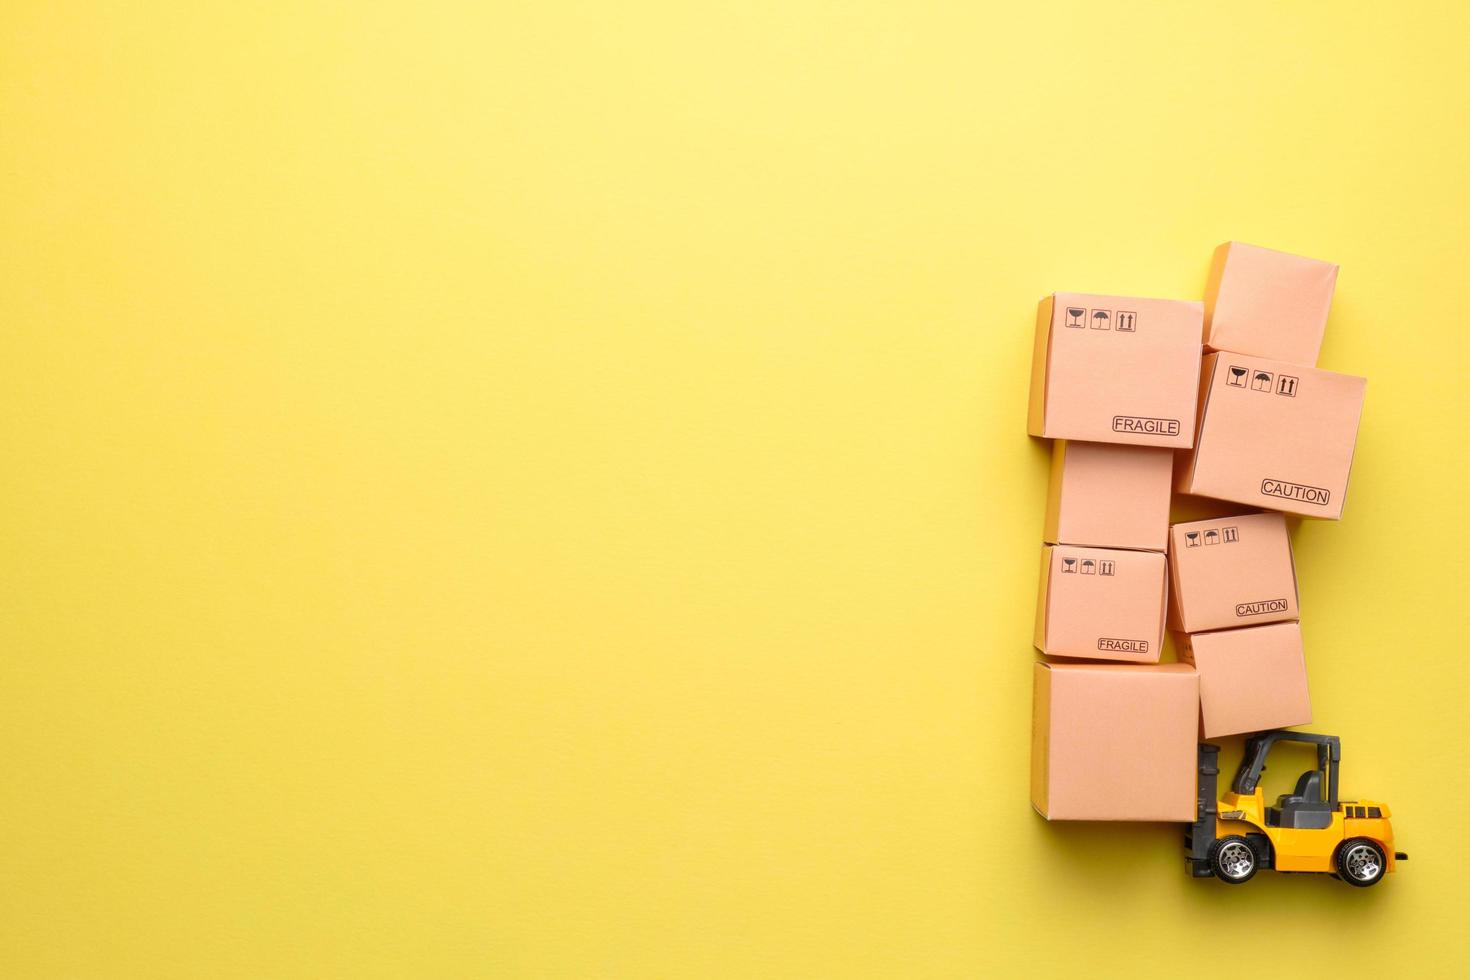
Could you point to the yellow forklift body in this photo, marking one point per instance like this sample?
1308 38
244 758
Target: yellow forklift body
1298 849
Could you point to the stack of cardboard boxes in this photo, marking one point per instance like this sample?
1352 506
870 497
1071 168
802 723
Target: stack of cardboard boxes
1217 399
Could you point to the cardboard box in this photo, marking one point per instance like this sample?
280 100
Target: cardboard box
1232 572
1101 604
1274 435
1113 742
1116 369
1105 496
1267 303
1250 680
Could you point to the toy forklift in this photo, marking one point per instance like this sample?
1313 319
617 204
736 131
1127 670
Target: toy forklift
1307 829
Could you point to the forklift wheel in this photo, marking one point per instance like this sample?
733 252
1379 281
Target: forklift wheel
1233 859
1360 862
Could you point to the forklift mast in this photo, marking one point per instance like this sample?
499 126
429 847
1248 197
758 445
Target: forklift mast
1199 835
1257 747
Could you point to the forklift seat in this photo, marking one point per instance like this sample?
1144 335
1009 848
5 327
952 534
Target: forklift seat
1303 809
1308 789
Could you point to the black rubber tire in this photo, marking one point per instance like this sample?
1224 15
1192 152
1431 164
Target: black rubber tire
1346 857
1227 849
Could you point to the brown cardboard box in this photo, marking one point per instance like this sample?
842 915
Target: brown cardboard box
1116 369
1236 571
1250 679
1101 604
1106 496
1274 435
1114 742
1267 303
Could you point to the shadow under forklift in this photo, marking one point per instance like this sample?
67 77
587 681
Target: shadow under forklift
1308 830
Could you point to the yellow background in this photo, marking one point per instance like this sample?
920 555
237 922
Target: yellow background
540 489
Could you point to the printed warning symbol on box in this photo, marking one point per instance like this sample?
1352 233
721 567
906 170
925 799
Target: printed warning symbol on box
1261 381
1230 534
1127 321
1089 567
1106 567
1212 536
1237 376
1191 539
1102 319
1286 385
1075 316
1069 565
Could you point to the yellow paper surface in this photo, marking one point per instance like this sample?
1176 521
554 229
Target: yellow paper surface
540 489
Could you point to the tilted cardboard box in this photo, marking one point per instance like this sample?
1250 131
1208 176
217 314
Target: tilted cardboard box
1274 435
1114 742
1267 303
1236 571
1116 369
1250 680
1108 496
1101 604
